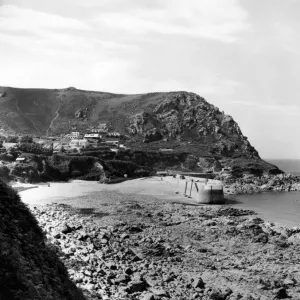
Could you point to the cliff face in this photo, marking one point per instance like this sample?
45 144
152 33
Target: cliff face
29 268
186 118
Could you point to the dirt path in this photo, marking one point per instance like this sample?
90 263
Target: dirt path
56 116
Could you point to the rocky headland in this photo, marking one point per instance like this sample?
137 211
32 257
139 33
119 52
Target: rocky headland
174 130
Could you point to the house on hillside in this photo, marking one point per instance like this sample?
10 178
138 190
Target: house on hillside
112 141
61 145
98 130
45 144
226 169
93 136
113 134
73 135
80 143
165 150
101 128
8 146
123 147
114 150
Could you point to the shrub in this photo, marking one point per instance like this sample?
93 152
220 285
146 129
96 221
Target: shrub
7 157
25 170
34 148
12 139
64 167
119 168
26 139
94 174
4 173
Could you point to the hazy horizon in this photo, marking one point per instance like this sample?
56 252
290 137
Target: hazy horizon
240 55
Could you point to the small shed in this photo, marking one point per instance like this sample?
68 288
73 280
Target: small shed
165 150
20 160
112 141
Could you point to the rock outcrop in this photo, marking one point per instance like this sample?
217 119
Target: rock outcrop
153 135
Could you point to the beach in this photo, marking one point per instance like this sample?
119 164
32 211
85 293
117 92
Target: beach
278 207
139 240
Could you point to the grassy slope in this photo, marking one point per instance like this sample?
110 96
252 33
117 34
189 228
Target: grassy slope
40 105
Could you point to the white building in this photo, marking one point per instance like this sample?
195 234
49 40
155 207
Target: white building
9 145
98 130
166 150
112 141
95 136
20 160
75 133
82 143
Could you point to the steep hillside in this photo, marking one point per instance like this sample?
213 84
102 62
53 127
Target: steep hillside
29 267
182 121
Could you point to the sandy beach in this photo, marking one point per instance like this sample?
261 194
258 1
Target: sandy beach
281 208
161 188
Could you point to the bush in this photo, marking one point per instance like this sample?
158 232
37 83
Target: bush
119 168
94 174
34 148
7 157
26 139
64 167
4 173
12 139
26 171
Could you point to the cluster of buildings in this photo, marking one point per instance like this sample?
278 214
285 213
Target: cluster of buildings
94 138
99 138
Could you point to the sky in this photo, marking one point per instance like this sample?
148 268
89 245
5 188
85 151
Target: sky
240 55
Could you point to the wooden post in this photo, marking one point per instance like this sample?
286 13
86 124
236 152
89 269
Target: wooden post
196 187
190 196
185 188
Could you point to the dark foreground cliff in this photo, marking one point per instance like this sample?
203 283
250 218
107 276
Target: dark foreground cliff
29 267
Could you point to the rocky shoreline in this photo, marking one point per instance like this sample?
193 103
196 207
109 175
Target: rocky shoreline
249 184
147 250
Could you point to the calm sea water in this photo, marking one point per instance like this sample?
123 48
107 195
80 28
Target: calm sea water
287 165
279 207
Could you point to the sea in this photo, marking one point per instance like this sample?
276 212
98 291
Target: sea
282 208
286 165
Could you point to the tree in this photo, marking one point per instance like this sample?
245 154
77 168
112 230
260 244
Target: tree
34 148
26 139
12 139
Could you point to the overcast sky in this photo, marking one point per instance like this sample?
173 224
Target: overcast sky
240 55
